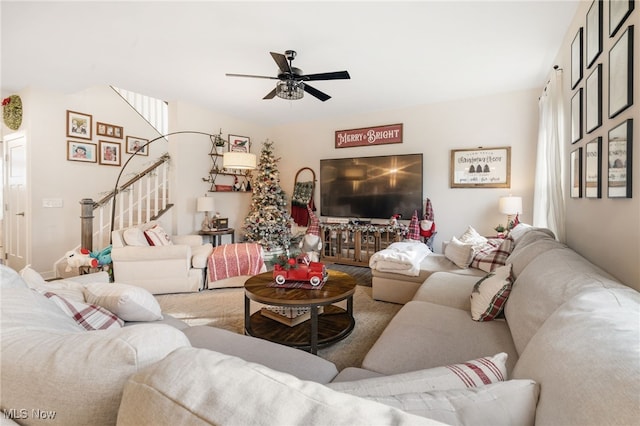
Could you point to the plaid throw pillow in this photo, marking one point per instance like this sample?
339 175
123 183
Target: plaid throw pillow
493 254
490 294
91 317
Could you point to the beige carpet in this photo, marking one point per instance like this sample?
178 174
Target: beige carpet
224 308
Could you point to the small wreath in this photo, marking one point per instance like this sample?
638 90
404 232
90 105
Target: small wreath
12 112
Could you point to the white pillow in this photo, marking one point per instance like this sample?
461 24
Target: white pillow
31 277
135 237
459 253
90 317
477 372
519 230
490 294
67 289
505 403
130 303
471 236
157 236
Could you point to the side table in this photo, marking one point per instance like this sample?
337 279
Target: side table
216 236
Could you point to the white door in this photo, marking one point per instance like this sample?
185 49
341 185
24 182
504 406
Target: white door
15 200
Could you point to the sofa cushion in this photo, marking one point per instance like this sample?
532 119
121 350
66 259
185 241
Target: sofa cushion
130 303
90 317
505 403
459 253
447 289
407 343
199 387
586 356
490 294
530 245
477 372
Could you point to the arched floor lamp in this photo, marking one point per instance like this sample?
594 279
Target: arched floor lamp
231 160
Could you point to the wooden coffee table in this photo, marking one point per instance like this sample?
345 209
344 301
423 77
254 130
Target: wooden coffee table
330 326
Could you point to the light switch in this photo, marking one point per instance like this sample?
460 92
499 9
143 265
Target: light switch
52 203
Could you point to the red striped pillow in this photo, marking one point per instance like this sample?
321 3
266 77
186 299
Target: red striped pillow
90 317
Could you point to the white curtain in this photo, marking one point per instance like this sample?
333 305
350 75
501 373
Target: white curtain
548 197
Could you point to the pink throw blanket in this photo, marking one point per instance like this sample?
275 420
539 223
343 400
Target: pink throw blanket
232 260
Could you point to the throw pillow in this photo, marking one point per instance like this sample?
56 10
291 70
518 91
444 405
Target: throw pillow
478 372
90 317
156 236
493 254
459 253
128 302
135 237
471 236
490 294
65 288
32 278
512 402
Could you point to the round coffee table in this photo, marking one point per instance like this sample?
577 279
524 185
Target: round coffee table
322 329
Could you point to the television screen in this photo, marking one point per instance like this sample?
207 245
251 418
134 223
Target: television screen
371 187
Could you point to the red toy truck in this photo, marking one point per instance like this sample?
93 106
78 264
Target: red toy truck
300 269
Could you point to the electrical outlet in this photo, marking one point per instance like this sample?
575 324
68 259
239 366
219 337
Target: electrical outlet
49 203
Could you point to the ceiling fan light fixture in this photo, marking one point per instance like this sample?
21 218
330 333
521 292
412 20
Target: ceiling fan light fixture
291 90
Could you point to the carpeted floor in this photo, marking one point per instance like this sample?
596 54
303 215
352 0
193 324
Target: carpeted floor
224 308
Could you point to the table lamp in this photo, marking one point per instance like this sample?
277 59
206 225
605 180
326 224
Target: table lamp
205 204
510 206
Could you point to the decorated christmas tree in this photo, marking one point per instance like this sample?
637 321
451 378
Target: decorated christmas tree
268 221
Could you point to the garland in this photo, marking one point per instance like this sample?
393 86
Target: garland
399 228
12 112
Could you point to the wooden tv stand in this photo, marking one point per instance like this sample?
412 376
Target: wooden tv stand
354 244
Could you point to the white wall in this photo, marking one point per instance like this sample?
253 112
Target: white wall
606 231
508 119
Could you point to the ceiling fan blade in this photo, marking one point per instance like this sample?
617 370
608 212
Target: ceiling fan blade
251 76
271 94
315 92
336 75
282 62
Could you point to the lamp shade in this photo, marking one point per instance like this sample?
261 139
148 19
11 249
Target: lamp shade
205 204
510 205
239 160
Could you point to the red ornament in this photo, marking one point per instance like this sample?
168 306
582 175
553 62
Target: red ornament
6 101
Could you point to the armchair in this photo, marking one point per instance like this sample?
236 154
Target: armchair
177 267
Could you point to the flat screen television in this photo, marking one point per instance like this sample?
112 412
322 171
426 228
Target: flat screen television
371 187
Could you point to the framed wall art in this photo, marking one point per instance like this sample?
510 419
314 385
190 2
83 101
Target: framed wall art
576 116
109 153
576 173
593 103
239 143
594 32
110 130
619 160
79 125
618 12
593 169
81 151
621 74
576 59
481 168
135 144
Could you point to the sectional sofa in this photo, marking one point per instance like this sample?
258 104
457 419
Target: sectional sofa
567 352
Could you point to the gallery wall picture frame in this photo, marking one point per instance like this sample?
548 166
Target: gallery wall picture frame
619 10
593 99
82 151
239 143
109 153
619 160
79 125
576 173
576 59
593 38
135 144
481 168
593 168
109 130
576 116
621 73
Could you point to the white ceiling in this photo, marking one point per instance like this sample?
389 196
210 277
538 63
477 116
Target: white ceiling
399 54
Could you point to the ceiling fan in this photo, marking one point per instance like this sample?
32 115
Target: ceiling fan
293 83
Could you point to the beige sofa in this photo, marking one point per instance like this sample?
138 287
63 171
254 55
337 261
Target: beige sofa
178 267
568 325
